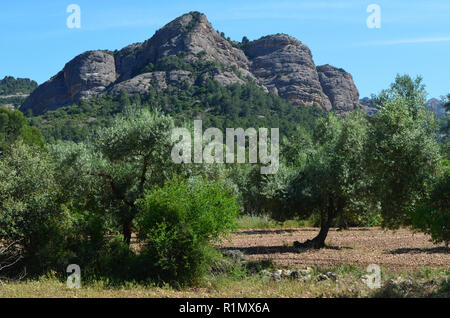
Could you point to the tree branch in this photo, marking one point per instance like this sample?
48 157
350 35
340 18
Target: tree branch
10 261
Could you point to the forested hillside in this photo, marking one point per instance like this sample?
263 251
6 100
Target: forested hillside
222 107
13 92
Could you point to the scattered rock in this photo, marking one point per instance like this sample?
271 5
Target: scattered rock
265 272
332 275
306 272
276 276
265 275
287 273
234 254
322 277
295 274
305 278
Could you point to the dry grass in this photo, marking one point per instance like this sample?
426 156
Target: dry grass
349 284
423 268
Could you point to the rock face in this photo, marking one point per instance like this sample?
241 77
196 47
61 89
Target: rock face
85 76
368 105
140 84
277 63
190 36
89 73
338 85
437 107
285 66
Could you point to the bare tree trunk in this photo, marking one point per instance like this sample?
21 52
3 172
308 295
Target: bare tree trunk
318 242
10 260
126 229
343 224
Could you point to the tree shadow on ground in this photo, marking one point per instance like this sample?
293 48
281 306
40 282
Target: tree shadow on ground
266 250
363 229
428 250
263 250
263 232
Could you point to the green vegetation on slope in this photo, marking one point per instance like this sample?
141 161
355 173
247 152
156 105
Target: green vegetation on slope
14 126
222 107
10 86
14 91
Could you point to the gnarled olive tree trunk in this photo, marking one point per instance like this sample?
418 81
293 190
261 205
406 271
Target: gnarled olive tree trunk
326 219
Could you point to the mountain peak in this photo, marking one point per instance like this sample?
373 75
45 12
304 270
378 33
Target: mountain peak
188 49
270 43
186 23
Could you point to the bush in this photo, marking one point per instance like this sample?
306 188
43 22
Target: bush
30 207
14 127
433 216
178 223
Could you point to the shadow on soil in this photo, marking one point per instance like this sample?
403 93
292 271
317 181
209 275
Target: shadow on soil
430 250
285 231
262 232
265 250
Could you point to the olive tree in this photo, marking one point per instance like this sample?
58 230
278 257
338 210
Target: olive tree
404 154
118 164
432 216
328 175
14 127
30 201
335 178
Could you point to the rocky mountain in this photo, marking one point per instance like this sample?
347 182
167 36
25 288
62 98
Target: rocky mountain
434 104
189 50
368 105
437 107
338 85
285 66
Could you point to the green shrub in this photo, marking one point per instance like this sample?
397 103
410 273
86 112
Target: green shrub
117 263
433 216
30 209
177 224
14 127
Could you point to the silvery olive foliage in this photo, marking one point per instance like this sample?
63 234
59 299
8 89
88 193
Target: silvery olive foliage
404 153
30 199
118 164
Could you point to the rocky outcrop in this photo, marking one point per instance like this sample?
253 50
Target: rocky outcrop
48 96
159 80
90 71
286 67
437 107
338 85
85 76
190 36
194 35
277 63
368 105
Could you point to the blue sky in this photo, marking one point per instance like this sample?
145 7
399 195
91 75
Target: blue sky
414 37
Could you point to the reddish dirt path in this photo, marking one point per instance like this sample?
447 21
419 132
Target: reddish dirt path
391 250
